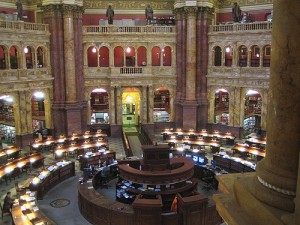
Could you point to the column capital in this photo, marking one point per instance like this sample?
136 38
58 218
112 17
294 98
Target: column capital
69 10
205 12
179 13
78 12
191 11
51 10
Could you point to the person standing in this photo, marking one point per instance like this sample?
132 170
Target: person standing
236 12
110 14
20 10
8 202
149 14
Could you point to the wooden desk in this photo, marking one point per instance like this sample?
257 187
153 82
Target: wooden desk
96 158
26 212
9 168
51 176
250 150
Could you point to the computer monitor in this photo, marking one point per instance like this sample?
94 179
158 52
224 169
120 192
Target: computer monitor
213 163
195 158
188 155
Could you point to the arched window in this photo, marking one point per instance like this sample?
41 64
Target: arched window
14 57
228 56
142 56
161 111
167 56
99 106
156 56
130 56
118 56
29 57
3 58
255 56
243 55
267 56
217 56
104 56
221 106
92 56
40 57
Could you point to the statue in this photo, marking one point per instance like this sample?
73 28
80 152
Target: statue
19 10
149 14
236 12
110 14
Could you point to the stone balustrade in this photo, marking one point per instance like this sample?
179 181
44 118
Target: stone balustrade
25 74
241 27
128 29
20 26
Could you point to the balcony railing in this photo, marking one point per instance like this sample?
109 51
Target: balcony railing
241 27
129 29
23 26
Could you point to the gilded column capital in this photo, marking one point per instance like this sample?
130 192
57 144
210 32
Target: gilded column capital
69 10
51 10
206 12
179 13
191 11
78 12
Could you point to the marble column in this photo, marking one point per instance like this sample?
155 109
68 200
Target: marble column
211 109
190 71
264 102
119 120
143 108
69 53
151 104
112 106
48 111
276 178
261 56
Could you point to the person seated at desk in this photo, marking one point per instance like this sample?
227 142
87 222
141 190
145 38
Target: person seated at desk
105 173
8 203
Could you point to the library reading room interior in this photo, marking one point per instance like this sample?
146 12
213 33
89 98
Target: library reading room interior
167 112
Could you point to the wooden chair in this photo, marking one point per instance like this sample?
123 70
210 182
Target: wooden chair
18 189
2 212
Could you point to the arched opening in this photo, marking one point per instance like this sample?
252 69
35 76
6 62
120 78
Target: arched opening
167 56
243 55
255 56
104 56
38 114
221 112
267 56
14 57
41 62
118 56
99 106
161 109
7 128
131 107
29 57
228 56
217 56
142 56
252 115
92 53
156 56
130 56
2 58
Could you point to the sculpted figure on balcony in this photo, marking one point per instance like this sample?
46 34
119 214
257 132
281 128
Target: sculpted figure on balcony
19 10
236 12
149 14
110 14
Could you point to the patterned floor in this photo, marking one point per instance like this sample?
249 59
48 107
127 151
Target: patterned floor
115 144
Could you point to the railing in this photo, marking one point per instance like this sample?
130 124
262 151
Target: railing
131 70
237 27
128 29
23 26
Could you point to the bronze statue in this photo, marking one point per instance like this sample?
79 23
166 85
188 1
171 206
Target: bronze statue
236 12
19 10
149 14
110 14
